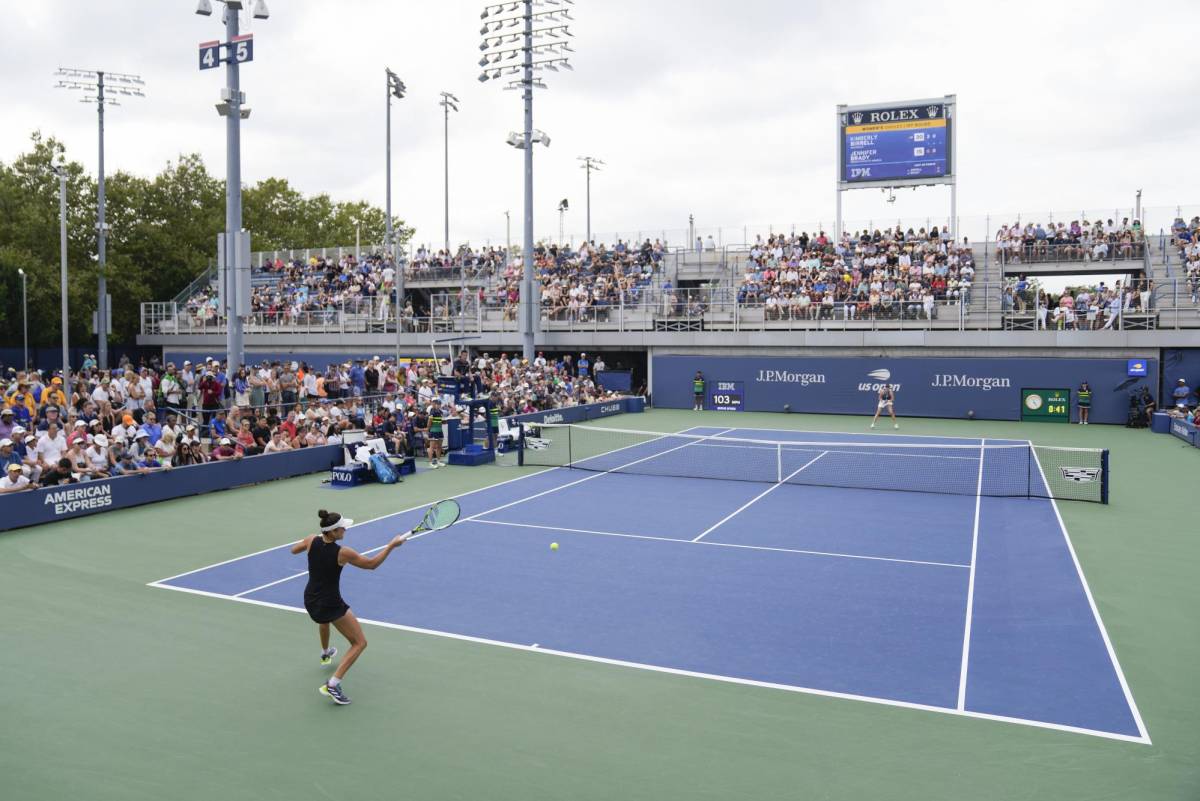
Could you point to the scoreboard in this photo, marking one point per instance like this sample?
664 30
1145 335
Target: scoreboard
909 143
1046 405
726 396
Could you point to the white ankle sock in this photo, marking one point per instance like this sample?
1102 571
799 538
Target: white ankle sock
334 681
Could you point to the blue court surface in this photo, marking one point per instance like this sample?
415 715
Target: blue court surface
960 604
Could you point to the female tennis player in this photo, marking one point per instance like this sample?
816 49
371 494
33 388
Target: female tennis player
323 595
887 399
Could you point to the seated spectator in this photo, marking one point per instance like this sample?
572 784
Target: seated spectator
14 480
62 472
225 451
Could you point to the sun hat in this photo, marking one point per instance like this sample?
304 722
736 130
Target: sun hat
101 440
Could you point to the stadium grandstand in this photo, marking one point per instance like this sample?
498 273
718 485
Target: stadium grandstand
885 502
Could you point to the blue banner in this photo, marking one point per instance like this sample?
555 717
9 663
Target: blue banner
90 497
616 380
987 388
581 414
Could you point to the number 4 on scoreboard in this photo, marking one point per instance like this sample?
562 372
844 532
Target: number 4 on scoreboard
210 55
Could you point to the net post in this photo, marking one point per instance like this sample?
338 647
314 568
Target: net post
1029 475
1104 476
520 445
778 462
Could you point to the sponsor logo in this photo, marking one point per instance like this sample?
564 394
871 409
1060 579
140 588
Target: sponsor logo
880 377
1033 402
76 499
857 117
786 377
932 111
964 381
1080 474
611 408
552 418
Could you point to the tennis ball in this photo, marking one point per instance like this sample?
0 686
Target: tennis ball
554 546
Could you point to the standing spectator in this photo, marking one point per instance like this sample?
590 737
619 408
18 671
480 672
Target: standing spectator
1183 396
210 395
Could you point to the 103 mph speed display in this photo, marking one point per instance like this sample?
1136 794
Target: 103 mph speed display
900 143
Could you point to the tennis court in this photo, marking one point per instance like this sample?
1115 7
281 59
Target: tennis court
907 570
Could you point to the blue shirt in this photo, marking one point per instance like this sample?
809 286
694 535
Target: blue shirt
1182 395
218 427
358 377
154 431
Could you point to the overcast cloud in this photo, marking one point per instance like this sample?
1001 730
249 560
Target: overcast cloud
724 110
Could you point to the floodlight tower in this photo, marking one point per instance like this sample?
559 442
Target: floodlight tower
238 49
102 88
395 89
591 164
450 103
499 46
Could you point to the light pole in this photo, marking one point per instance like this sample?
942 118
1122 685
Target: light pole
93 84
450 103
590 163
61 172
507 238
239 49
24 319
563 207
395 89
498 47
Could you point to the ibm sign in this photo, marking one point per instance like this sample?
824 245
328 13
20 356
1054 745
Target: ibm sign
908 143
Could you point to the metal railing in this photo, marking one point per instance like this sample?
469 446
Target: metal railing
1010 253
1147 304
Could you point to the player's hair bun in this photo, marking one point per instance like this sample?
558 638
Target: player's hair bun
328 518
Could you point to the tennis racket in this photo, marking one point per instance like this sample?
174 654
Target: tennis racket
442 514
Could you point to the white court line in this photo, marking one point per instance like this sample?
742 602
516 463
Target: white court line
498 508
693 674
290 543
1087 590
966 649
722 544
757 497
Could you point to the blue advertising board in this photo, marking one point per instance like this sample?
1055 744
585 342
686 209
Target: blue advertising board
1136 367
899 142
988 388
581 413
90 497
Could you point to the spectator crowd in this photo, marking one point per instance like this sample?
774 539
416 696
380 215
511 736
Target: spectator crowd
1083 308
1075 241
144 418
884 274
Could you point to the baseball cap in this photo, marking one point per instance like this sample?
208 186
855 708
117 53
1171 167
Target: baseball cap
30 438
141 435
226 441
56 380
18 430
14 468
80 424
6 412
101 440
4 443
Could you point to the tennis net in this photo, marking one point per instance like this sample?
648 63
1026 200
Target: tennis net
1006 469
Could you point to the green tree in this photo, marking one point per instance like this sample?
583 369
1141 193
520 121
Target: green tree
162 235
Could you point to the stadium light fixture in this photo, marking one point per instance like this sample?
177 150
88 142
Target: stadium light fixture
591 164
510 31
204 8
260 10
94 85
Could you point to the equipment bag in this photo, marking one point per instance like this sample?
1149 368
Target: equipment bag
384 470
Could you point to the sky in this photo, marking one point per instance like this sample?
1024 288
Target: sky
723 111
